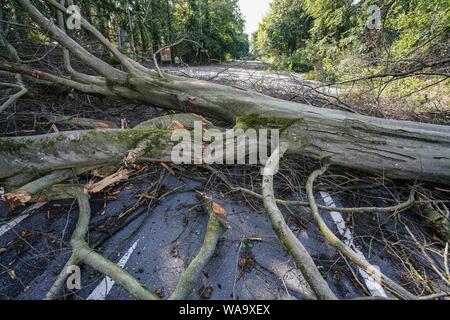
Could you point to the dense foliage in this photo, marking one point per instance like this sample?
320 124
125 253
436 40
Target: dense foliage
145 26
322 35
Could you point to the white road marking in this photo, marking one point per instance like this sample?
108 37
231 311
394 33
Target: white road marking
104 287
35 206
8 226
374 286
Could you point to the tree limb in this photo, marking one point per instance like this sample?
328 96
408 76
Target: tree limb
295 248
346 250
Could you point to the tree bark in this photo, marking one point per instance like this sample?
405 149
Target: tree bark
397 149
73 149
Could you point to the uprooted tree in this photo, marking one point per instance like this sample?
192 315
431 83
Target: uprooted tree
397 149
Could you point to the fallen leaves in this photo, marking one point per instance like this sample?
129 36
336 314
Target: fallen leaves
17 198
160 293
192 101
27 234
3 250
244 262
97 173
37 74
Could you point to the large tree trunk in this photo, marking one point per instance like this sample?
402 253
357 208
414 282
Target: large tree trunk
75 149
397 149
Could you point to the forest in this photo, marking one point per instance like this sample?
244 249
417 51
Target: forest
153 149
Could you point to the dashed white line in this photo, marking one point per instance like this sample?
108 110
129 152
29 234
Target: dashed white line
372 285
104 287
8 226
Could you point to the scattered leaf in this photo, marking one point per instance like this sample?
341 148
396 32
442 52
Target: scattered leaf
36 74
203 195
133 155
3 250
192 101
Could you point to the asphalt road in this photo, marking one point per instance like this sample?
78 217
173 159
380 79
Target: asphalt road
145 248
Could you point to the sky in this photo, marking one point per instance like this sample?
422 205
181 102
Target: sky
253 11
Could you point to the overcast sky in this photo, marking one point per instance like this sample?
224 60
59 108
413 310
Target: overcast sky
253 11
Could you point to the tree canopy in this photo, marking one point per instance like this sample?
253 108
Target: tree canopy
319 34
